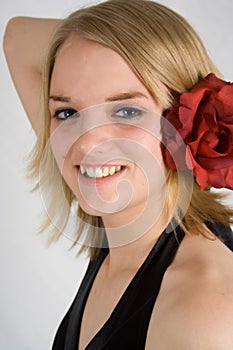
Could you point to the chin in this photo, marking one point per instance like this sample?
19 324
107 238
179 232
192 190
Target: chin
107 211
90 211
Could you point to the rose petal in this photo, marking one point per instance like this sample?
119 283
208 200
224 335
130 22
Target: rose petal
226 95
204 119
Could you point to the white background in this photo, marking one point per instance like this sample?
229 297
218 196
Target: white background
38 283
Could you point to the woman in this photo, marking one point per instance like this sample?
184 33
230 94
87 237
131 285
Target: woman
132 111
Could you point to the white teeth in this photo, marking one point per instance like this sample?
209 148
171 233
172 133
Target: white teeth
99 172
91 172
105 171
112 170
82 169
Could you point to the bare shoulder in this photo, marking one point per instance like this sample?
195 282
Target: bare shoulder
194 309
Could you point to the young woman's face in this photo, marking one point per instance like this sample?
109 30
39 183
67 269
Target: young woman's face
105 131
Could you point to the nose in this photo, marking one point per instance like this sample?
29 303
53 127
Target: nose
96 142
96 134
87 138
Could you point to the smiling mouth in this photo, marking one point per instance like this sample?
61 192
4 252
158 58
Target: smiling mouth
100 172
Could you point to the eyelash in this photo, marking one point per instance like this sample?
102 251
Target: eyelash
135 113
73 114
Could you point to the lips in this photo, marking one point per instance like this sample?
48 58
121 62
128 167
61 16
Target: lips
100 172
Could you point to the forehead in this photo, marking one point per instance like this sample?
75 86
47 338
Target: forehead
87 68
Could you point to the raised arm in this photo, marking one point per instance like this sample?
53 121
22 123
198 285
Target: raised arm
25 42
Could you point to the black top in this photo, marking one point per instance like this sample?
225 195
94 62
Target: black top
127 326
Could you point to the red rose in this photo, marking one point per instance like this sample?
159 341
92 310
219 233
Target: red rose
204 121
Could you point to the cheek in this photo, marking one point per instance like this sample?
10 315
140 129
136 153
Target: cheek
149 144
52 126
61 142
58 151
149 158
55 144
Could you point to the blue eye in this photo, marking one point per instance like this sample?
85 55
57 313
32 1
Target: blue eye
65 113
128 112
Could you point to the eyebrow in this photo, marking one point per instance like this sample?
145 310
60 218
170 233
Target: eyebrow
116 97
126 96
59 98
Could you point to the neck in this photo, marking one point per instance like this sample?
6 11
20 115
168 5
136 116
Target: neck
129 244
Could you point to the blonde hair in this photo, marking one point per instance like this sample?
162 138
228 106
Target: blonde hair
161 47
